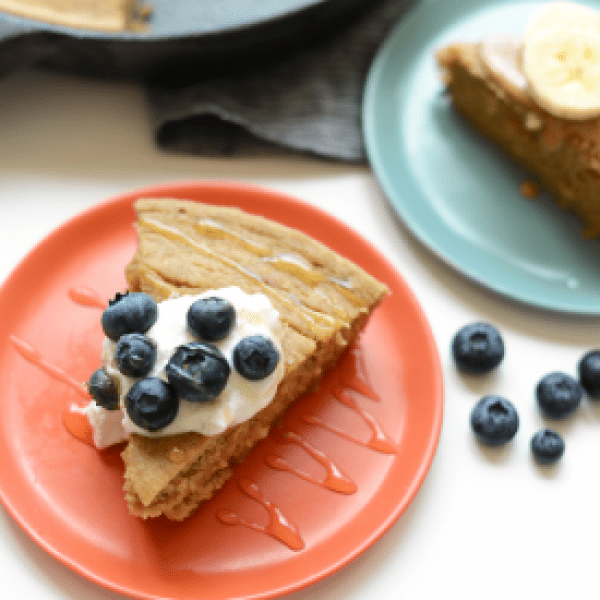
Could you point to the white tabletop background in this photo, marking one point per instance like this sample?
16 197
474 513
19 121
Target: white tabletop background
485 524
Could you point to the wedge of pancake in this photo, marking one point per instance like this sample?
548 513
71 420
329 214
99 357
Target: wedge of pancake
562 154
323 301
103 15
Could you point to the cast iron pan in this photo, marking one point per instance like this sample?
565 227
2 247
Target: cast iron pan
187 40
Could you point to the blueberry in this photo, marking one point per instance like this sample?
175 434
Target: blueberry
211 319
135 354
255 357
103 390
198 372
151 403
477 348
589 373
129 313
494 420
558 394
547 446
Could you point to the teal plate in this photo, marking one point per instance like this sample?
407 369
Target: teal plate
451 187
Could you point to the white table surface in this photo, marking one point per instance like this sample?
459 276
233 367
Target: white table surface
485 524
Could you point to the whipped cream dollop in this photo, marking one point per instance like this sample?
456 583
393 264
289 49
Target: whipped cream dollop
107 425
241 398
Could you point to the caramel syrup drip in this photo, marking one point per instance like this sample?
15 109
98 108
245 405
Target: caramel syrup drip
87 297
78 425
378 441
313 278
278 526
75 423
166 291
34 357
351 296
307 275
318 322
355 380
334 479
215 230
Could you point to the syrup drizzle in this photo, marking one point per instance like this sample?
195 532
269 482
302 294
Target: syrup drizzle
356 380
78 425
278 526
334 480
214 229
319 322
87 297
33 356
356 375
378 441
295 265
75 422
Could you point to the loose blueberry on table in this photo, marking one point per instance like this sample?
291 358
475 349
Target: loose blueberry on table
494 420
558 394
547 446
589 373
477 348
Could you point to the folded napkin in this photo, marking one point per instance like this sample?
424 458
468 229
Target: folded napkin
309 101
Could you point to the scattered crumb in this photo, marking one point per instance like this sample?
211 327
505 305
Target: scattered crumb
591 231
529 190
177 455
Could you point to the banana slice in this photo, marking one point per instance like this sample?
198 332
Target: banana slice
562 67
567 15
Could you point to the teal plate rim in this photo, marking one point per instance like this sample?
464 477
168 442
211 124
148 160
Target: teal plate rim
452 188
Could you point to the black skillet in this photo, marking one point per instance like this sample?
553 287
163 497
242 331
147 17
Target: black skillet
186 40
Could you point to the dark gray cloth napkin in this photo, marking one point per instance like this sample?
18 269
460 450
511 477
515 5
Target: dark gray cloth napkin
309 101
